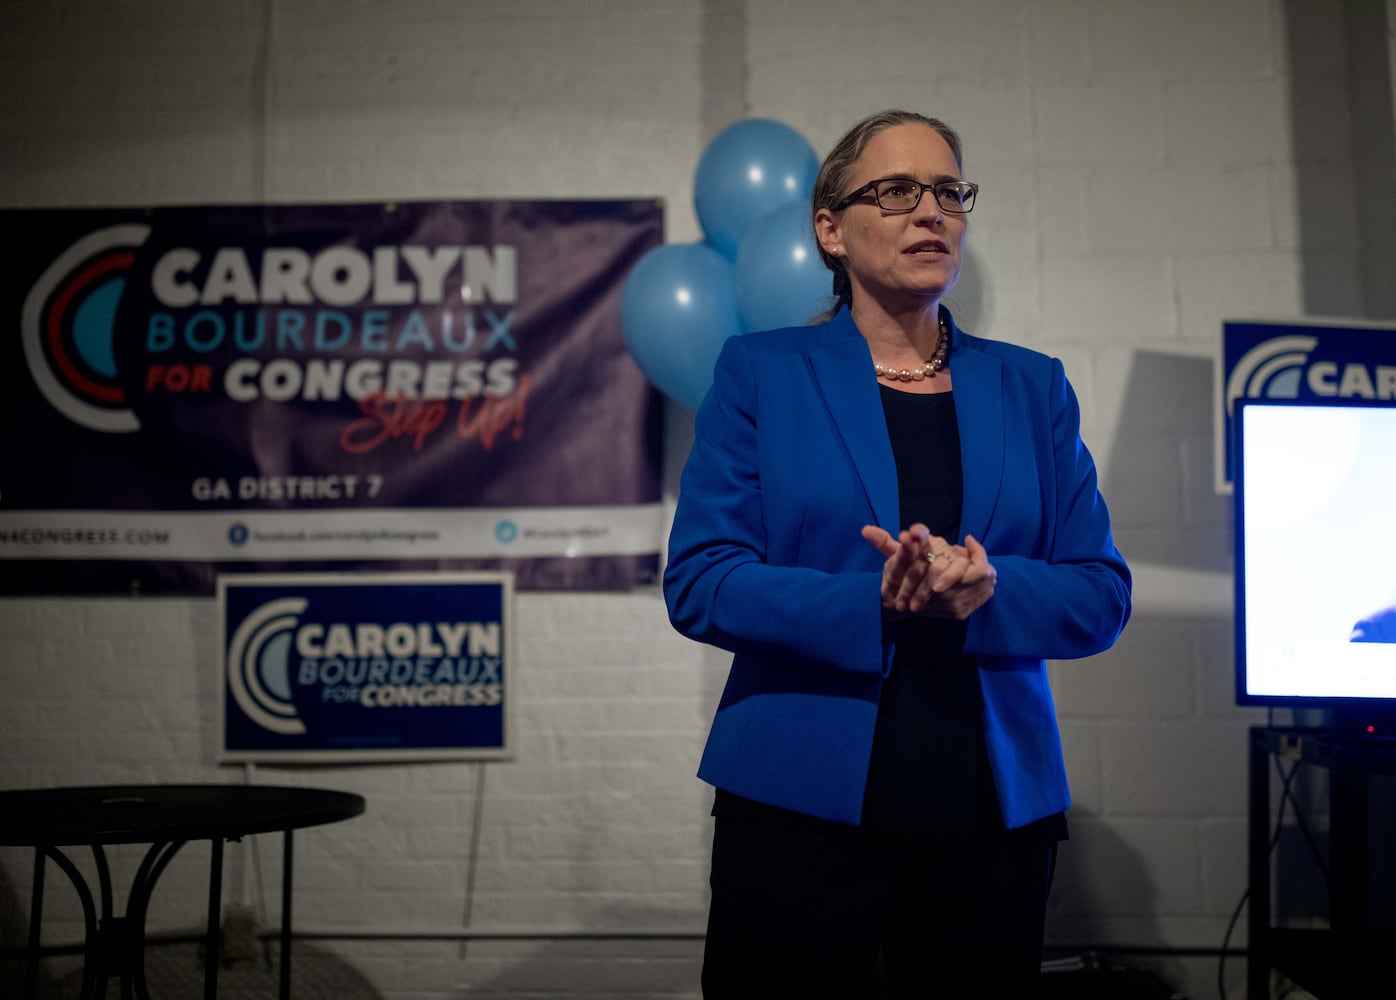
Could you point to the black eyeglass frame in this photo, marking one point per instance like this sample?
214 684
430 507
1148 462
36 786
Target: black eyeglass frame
921 189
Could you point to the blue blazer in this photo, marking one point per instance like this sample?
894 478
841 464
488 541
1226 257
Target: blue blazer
791 458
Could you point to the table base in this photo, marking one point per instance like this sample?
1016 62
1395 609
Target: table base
114 947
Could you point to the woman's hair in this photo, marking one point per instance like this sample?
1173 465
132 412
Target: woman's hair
836 173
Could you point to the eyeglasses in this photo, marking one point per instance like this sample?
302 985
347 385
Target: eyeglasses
902 194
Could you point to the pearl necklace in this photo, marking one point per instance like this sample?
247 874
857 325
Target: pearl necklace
935 363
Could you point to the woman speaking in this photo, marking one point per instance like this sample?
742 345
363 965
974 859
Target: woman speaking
891 525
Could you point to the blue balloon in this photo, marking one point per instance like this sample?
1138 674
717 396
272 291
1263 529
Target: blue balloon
678 306
781 280
749 169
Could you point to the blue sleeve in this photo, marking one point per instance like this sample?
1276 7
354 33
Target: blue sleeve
1380 627
1074 599
720 588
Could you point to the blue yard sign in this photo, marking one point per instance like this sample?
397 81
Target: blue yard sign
370 667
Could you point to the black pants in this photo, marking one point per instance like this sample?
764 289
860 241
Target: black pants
823 910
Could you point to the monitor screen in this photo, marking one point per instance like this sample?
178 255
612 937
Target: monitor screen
1315 487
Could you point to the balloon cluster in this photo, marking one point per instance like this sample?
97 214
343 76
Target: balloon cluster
758 267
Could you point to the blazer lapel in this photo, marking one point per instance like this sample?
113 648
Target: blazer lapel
842 370
978 380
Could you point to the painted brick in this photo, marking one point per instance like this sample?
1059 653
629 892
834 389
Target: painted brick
1164 208
1214 287
1224 860
1108 300
1059 40
986 46
1190 39
1178 770
1215 644
1303 216
1202 505
1061 205
999 292
1127 868
1098 124
1147 675
1145 482
1227 121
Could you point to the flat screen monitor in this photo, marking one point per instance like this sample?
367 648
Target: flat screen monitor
1315 503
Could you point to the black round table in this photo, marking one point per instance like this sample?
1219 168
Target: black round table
166 817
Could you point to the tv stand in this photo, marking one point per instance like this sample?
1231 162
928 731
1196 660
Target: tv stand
1345 959
1364 721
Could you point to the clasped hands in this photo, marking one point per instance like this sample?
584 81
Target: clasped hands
925 574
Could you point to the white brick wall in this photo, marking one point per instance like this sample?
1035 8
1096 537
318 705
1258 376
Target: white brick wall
1139 163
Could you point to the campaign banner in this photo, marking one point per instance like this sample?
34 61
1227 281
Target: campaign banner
331 667
413 385
1302 359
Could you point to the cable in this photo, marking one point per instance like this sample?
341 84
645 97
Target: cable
1226 940
472 865
1286 780
1303 825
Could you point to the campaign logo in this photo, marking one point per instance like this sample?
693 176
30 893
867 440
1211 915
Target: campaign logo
1273 369
259 665
67 327
381 666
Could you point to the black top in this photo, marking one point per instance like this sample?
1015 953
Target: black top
135 814
927 772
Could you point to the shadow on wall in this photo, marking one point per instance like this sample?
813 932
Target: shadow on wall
1159 477
599 968
1161 458
971 301
1102 893
1339 62
177 970
1100 882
